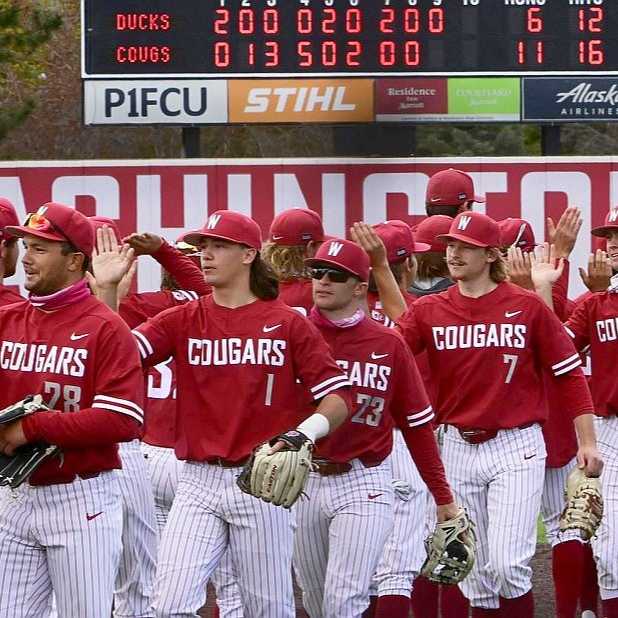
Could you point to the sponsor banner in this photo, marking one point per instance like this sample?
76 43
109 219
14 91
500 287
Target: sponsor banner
301 100
587 99
168 197
416 100
487 99
178 101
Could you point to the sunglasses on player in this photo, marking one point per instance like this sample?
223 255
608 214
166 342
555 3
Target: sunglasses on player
334 275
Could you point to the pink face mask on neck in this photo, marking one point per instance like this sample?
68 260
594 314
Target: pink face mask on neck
63 298
320 320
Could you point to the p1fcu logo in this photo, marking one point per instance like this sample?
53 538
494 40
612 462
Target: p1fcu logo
301 101
155 102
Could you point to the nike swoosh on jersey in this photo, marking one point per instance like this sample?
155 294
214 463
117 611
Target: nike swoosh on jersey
375 356
268 329
511 314
277 237
75 337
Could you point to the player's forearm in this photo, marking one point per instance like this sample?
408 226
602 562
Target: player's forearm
108 294
330 414
393 303
545 293
86 428
584 427
423 447
182 269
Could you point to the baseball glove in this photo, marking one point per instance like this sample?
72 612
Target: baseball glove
450 550
278 478
584 504
17 468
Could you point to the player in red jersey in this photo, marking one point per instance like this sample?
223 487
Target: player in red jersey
344 524
295 234
450 192
594 324
9 251
62 531
486 342
239 353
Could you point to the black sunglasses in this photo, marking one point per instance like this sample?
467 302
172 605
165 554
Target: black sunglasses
334 275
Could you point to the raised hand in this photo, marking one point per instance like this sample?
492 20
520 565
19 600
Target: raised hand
564 234
599 272
546 267
110 262
363 234
143 244
519 268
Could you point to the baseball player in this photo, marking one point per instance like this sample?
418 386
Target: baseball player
450 192
135 581
594 323
494 338
347 518
62 531
294 235
9 251
239 353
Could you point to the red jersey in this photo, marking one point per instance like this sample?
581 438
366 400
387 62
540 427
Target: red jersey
594 323
387 391
82 360
237 372
160 400
376 311
182 268
9 296
297 293
486 355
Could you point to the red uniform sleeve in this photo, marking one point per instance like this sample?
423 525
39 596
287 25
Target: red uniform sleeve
155 338
578 325
560 292
115 414
182 268
408 326
313 362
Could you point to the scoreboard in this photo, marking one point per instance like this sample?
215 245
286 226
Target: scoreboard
348 38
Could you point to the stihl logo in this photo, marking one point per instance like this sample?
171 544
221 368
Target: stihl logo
464 222
335 248
613 215
213 220
303 99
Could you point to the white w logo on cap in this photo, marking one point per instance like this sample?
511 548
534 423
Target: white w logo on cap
613 215
335 248
464 222
212 222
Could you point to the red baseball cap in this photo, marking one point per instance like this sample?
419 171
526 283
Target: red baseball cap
8 216
611 224
60 223
98 222
474 228
451 188
343 254
227 225
296 226
428 230
398 239
518 233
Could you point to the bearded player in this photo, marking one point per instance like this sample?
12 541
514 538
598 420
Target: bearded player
62 531
487 342
347 518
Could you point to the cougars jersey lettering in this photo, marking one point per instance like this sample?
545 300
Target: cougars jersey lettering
486 355
387 391
237 372
87 371
594 323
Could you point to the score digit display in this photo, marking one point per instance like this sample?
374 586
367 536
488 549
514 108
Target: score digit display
313 38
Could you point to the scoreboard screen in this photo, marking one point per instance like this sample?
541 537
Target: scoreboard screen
289 38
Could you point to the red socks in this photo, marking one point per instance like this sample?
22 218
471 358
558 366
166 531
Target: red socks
425 598
392 606
453 603
590 584
567 568
610 608
520 607
370 612
479 612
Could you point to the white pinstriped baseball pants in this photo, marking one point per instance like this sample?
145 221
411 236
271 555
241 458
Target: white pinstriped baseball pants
605 543
553 503
343 525
136 572
500 483
404 552
209 516
165 470
61 537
